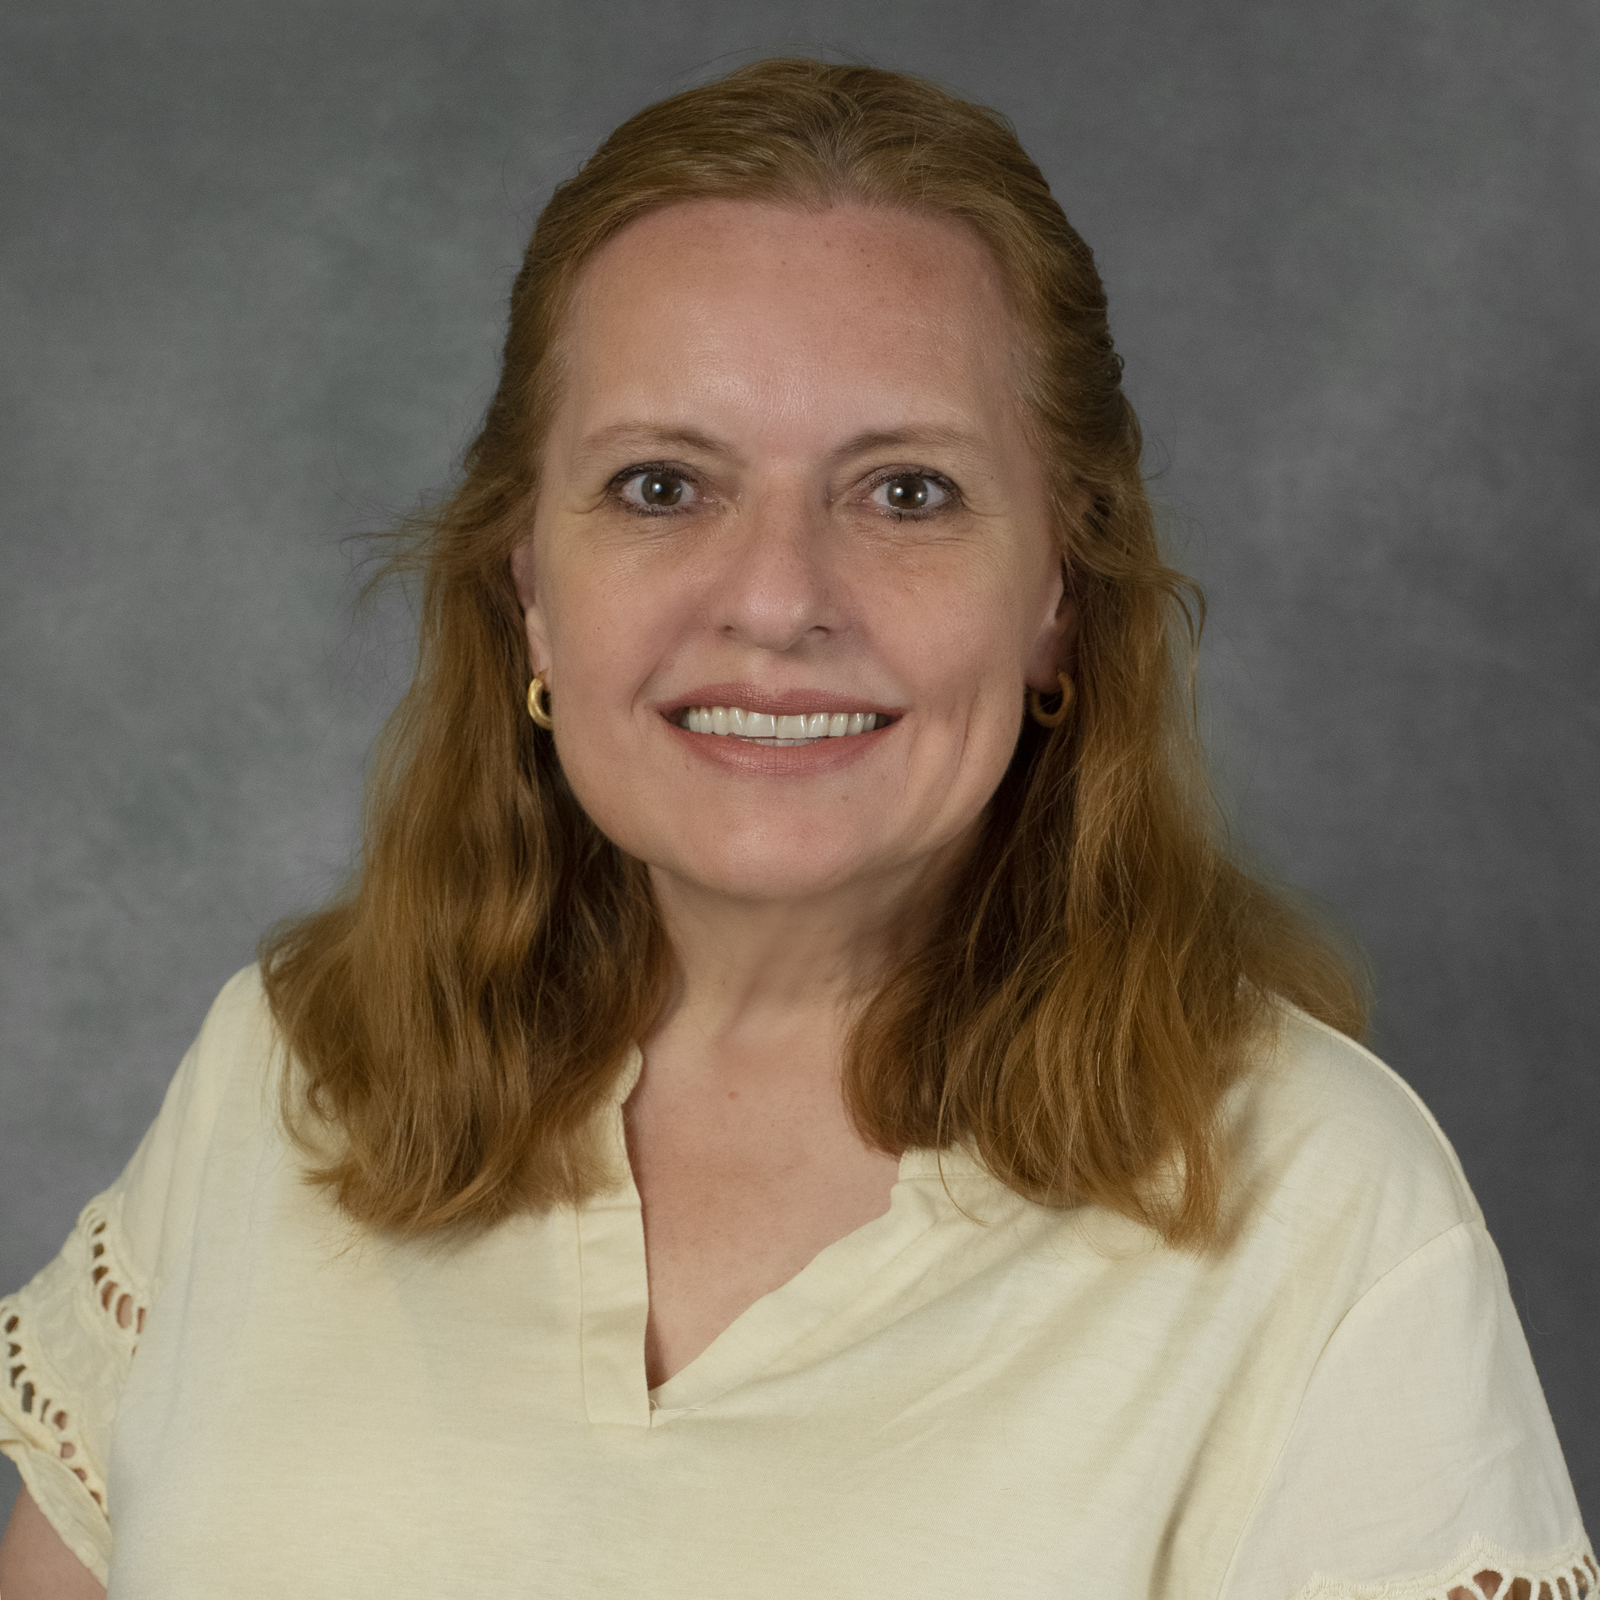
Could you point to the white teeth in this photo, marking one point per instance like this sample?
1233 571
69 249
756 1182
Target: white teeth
770 729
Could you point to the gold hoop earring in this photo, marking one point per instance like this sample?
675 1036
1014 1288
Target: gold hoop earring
1052 719
539 702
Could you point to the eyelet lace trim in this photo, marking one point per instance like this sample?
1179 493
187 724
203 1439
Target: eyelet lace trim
112 1293
24 1374
1482 1572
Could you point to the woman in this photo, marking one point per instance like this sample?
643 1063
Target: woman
796 1101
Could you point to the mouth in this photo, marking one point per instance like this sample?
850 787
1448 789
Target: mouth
778 730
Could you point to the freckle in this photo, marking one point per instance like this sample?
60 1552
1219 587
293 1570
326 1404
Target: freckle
733 1094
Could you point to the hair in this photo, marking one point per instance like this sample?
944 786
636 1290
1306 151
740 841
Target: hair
1099 969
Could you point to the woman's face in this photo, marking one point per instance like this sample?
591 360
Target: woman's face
788 495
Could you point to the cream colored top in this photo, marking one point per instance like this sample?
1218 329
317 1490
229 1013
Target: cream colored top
220 1388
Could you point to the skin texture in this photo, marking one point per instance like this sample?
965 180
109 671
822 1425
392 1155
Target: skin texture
780 371
36 1565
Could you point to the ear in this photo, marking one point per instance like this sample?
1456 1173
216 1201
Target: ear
1052 645
533 619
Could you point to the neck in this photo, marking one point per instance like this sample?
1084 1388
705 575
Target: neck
758 969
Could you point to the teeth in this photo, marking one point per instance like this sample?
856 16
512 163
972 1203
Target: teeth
766 728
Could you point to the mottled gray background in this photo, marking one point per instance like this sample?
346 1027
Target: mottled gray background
255 259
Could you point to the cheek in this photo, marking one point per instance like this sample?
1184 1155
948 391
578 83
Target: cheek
967 651
609 631
963 666
605 631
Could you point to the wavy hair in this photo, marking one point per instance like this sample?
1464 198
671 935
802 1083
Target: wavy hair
1101 965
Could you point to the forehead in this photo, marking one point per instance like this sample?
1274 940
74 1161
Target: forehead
726 297
848 240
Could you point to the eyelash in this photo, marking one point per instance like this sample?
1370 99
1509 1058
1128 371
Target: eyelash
642 469
951 493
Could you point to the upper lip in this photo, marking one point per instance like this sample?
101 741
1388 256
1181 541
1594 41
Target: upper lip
775 702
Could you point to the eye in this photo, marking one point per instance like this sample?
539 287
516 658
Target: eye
652 490
912 494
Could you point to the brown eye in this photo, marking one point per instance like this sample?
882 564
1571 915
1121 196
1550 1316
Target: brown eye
654 489
660 489
908 493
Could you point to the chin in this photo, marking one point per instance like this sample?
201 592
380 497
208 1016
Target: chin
763 862
756 886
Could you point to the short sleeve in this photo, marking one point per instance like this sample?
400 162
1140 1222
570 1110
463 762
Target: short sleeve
1422 1463
69 1340
70 1336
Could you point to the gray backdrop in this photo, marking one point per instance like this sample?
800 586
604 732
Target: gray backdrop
255 259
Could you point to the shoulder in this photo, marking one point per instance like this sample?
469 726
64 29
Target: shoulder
1332 1146
230 1069
1414 1428
239 1022
220 1107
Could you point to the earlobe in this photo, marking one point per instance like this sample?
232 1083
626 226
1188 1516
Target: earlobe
522 574
1066 621
1053 649
527 598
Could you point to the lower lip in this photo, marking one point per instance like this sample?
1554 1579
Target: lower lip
733 754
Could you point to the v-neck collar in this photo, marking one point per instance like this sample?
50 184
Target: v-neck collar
614 1281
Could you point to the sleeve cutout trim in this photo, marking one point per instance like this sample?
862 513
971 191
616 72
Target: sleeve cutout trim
1483 1571
33 1401
112 1286
29 1392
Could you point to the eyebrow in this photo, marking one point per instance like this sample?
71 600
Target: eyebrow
933 436
646 434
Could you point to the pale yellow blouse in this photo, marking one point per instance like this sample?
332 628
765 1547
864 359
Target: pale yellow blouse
221 1388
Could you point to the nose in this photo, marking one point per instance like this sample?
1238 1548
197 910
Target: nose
775 588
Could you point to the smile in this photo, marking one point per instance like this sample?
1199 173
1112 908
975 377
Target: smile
761 727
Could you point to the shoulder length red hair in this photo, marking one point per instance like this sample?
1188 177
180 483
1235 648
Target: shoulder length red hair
459 1015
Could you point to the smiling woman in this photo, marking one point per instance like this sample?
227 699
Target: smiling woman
797 1100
